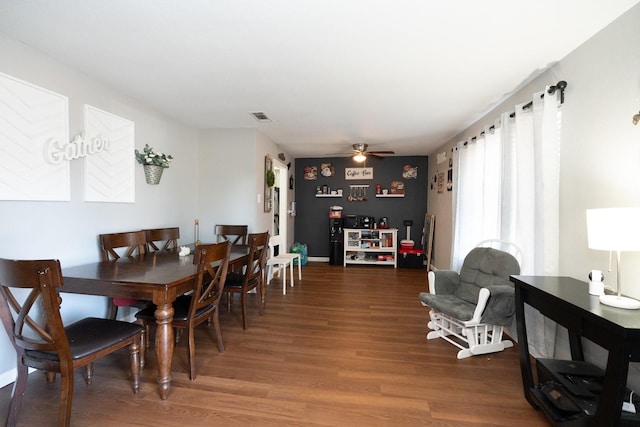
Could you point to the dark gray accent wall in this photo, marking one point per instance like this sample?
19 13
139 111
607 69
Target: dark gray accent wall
312 217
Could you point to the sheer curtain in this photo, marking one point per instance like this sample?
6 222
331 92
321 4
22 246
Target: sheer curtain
507 188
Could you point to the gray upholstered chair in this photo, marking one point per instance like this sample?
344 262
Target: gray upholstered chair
470 309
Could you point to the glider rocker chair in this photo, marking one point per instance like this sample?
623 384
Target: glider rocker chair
470 309
41 341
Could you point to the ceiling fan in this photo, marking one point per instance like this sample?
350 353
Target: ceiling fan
360 153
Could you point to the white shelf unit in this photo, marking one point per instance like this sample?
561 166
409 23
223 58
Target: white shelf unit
371 246
328 195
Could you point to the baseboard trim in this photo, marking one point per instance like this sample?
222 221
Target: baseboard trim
9 377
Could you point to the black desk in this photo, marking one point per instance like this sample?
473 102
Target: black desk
567 302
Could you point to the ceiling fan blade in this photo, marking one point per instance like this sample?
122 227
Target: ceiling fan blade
373 154
381 152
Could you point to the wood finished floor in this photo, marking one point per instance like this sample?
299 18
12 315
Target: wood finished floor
344 347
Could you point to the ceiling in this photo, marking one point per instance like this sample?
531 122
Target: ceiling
402 75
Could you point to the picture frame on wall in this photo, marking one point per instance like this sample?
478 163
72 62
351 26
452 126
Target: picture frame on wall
268 193
310 173
327 170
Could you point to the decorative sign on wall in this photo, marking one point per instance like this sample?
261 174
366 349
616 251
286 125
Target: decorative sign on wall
109 174
310 173
327 169
30 118
56 151
410 172
358 173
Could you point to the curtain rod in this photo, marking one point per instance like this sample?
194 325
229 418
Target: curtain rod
561 86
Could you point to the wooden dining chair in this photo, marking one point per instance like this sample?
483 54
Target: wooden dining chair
236 234
156 236
129 243
202 304
253 276
41 341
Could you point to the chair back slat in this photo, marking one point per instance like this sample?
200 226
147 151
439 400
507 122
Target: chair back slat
258 252
35 323
156 236
134 242
213 263
236 234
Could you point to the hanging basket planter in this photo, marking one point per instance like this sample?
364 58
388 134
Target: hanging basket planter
153 173
154 163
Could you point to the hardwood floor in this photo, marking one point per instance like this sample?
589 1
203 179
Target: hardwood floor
344 347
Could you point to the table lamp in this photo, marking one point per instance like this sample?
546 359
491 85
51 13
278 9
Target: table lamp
615 229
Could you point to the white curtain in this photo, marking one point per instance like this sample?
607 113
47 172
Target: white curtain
477 192
507 188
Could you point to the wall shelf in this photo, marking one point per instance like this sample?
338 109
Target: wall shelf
389 195
328 195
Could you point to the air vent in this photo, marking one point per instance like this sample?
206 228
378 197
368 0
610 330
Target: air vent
260 116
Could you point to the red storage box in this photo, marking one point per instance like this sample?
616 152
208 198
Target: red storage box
410 258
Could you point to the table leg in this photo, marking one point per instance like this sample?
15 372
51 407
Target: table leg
523 345
614 386
164 347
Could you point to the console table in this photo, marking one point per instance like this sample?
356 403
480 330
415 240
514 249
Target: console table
567 302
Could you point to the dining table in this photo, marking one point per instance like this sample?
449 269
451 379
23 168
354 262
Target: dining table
159 277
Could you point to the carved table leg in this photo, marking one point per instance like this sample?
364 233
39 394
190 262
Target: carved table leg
164 347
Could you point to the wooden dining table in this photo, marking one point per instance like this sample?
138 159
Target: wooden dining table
159 277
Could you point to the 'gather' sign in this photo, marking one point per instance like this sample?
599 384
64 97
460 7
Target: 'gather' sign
56 151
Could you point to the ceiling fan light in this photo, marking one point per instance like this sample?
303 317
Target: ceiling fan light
359 157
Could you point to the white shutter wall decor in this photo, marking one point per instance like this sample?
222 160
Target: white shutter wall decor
109 174
32 120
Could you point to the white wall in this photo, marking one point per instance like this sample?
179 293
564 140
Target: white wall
227 153
231 164
68 230
600 157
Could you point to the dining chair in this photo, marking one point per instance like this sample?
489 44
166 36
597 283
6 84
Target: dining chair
202 304
295 259
253 276
129 243
236 234
41 341
282 263
156 236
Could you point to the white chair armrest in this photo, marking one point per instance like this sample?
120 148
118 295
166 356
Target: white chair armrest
483 297
431 277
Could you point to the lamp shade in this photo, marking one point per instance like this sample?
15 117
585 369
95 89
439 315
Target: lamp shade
614 229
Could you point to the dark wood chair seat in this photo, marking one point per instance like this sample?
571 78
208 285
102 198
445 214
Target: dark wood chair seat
103 333
236 280
181 308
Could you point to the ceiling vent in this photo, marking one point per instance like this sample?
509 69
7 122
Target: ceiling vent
260 116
